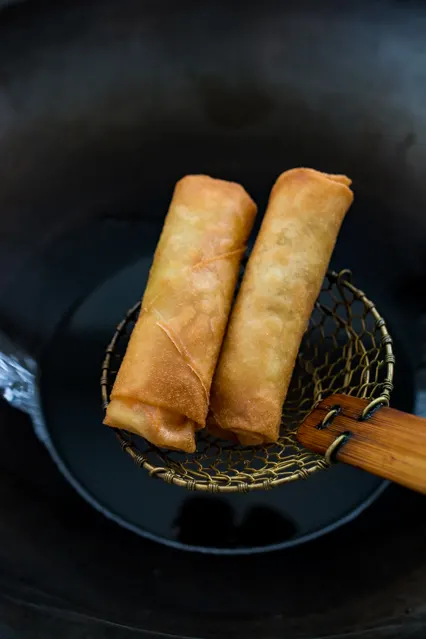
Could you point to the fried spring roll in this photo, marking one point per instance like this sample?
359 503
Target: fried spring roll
279 289
162 388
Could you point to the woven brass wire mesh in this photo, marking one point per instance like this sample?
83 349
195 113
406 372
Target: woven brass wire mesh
346 349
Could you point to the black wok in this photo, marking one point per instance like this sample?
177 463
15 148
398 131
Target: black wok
103 106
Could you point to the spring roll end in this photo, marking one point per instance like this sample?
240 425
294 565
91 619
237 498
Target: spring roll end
161 427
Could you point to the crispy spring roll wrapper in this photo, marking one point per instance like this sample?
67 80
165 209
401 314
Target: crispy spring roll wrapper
162 388
282 281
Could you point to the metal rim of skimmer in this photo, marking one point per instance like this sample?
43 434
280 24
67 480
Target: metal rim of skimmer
346 349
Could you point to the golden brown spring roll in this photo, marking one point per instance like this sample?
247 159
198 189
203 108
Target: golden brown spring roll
162 388
279 289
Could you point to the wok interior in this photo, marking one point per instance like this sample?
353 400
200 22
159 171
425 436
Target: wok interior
103 107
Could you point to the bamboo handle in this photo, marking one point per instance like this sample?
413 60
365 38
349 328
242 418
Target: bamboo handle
388 443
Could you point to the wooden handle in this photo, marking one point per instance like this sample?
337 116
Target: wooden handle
389 443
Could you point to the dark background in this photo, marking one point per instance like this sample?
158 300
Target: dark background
103 105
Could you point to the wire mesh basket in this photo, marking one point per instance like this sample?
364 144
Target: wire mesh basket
346 349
